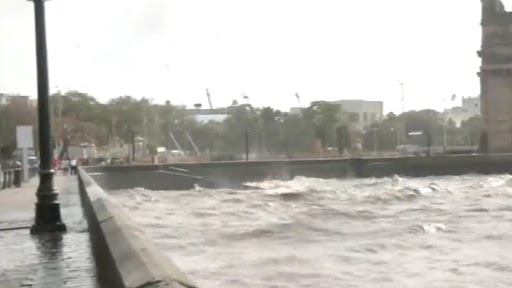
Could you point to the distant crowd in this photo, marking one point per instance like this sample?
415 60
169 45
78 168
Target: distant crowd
66 166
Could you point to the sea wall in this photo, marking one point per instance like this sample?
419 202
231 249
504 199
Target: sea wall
124 256
185 176
213 174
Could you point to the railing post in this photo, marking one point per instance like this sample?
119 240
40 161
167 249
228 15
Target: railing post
246 145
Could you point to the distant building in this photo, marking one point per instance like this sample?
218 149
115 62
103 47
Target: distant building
6 99
213 117
207 115
32 103
472 105
470 108
358 113
361 113
296 110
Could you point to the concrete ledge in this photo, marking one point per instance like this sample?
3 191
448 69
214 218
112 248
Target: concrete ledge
124 256
214 175
233 175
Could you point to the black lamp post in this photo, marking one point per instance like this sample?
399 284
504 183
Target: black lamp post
47 218
246 138
132 139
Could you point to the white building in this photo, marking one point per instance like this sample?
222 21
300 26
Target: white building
207 115
361 113
296 110
470 108
6 99
205 118
358 113
472 105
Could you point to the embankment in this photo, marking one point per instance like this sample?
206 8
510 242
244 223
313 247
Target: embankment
124 256
185 176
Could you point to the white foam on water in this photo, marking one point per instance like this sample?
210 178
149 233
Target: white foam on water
387 232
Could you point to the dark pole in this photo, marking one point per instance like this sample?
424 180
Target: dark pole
337 133
133 144
246 145
429 139
375 143
48 218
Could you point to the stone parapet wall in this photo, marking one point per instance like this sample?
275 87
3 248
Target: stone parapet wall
125 257
239 175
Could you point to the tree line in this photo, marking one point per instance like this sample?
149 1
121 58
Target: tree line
83 119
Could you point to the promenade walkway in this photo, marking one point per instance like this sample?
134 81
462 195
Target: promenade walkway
50 260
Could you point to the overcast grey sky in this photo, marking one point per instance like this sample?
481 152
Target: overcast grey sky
267 49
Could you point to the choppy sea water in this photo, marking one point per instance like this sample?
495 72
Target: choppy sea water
389 232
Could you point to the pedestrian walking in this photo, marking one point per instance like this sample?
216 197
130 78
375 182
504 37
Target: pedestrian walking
65 167
73 166
55 164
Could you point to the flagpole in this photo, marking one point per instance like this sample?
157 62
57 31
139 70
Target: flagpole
445 143
403 96
445 122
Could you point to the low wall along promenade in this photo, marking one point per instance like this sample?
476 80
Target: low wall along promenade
123 255
126 258
235 175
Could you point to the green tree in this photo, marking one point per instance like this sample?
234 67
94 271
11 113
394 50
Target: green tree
472 128
323 118
395 129
16 113
242 118
297 134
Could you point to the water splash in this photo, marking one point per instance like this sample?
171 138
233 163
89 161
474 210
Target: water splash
390 232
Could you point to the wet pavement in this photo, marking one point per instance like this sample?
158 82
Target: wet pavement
50 260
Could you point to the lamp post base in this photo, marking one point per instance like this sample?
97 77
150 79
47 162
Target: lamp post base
47 219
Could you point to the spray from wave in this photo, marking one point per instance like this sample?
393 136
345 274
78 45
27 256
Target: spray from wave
353 233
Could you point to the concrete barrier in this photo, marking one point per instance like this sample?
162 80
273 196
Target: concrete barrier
434 166
232 175
185 176
125 258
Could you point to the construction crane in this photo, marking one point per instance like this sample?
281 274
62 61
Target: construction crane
193 144
176 142
298 99
209 99
189 138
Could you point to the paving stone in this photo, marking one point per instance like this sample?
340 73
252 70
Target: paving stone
44 261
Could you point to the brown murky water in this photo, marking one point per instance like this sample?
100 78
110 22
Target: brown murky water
390 232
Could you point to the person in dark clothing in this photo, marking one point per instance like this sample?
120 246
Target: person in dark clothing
73 165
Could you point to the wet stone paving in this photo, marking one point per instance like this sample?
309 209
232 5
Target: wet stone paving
50 260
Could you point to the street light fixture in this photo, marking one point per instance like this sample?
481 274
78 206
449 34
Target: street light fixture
48 217
403 96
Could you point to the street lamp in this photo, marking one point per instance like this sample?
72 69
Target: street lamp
47 218
445 135
403 96
375 141
246 138
397 135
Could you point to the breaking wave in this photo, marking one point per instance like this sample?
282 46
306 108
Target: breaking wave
386 232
